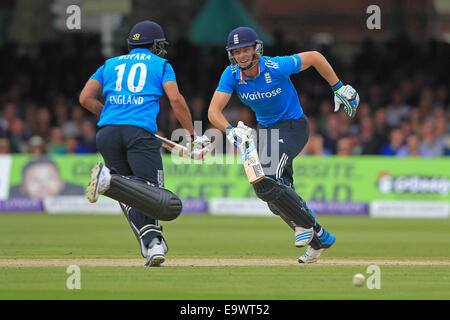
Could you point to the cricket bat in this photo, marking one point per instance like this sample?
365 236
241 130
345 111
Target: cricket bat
250 160
174 148
179 150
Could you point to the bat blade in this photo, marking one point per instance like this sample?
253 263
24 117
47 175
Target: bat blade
252 164
174 148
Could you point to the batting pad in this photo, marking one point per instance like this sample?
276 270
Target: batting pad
285 202
156 203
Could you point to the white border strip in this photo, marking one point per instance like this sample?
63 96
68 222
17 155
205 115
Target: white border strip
239 207
409 209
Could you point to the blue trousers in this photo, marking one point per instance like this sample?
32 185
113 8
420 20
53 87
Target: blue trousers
132 151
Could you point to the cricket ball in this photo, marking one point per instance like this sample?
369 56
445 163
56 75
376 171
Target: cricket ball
358 279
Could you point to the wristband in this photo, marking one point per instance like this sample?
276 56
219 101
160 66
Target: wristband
229 128
337 86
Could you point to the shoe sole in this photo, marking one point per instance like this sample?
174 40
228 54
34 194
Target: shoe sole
312 261
322 250
93 186
156 261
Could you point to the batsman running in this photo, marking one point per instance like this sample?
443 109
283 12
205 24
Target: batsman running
125 93
263 84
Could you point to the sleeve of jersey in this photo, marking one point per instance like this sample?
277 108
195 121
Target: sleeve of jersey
290 64
226 83
168 73
98 75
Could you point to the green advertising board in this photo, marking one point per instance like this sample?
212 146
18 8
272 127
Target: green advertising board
357 179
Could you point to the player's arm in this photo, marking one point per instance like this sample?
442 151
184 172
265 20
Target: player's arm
345 95
317 60
91 96
179 105
218 103
234 134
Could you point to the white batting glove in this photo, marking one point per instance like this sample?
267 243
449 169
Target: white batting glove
347 96
201 147
236 135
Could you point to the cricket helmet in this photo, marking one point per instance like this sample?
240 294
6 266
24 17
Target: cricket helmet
244 37
148 32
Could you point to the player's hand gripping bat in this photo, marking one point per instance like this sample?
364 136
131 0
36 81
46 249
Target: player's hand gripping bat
199 149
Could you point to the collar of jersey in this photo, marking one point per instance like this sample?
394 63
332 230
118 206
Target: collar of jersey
241 76
144 50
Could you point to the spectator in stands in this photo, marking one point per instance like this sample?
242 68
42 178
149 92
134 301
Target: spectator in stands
43 122
425 106
8 115
314 146
397 109
61 113
441 97
5 147
71 144
413 148
345 124
381 127
344 147
443 134
428 140
363 110
56 144
73 126
396 139
19 135
375 96
332 134
31 117
86 143
325 109
371 143
406 127
36 146
198 108
355 137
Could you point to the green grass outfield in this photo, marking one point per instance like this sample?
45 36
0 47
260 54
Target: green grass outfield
225 258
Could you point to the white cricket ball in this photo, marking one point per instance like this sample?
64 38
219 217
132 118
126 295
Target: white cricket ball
358 279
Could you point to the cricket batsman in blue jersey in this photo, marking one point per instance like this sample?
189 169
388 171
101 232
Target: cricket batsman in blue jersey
125 93
263 83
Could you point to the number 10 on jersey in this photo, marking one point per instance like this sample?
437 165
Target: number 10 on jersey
131 77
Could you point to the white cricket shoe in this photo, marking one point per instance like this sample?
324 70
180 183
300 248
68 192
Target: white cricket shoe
155 255
100 180
311 255
303 236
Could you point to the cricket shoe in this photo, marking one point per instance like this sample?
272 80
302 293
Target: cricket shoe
313 255
155 255
303 236
100 180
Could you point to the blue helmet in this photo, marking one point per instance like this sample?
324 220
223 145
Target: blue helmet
244 37
148 32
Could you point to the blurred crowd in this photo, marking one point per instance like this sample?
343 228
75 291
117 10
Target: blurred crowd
404 89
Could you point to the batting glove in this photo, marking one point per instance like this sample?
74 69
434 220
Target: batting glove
236 135
347 96
201 147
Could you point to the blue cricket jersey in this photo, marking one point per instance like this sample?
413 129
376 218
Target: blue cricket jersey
132 86
271 95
